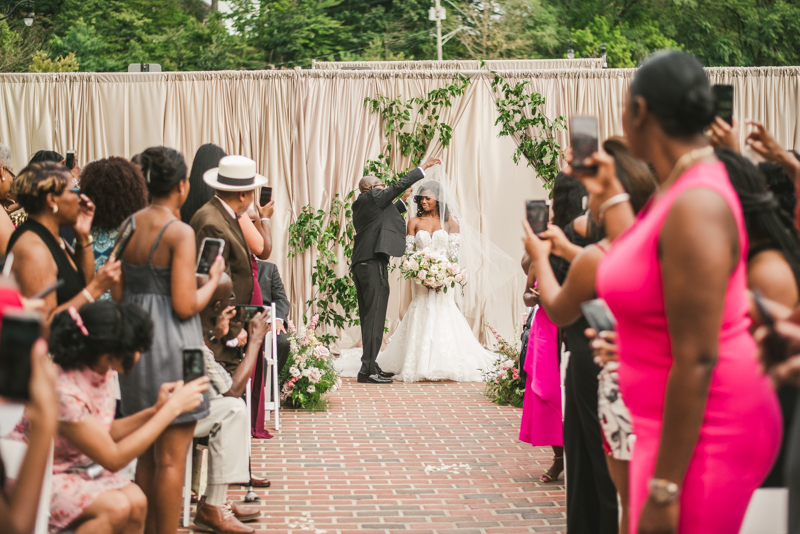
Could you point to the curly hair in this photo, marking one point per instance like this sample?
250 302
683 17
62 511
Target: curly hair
36 181
117 188
121 330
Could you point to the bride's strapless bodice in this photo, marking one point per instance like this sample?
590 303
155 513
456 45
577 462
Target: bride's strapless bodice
437 242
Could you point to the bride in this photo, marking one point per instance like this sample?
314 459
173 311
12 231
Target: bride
434 340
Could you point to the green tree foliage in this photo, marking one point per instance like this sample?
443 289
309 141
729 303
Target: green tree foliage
42 63
107 35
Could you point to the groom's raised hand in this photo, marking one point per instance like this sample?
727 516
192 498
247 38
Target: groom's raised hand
430 163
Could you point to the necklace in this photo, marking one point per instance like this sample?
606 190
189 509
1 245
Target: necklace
164 208
685 162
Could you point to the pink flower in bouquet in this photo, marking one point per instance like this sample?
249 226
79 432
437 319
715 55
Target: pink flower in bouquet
515 373
306 341
321 351
314 321
291 327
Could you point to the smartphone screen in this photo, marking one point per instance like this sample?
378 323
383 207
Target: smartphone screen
18 333
246 313
70 160
210 249
266 196
584 140
124 237
599 316
538 214
194 366
723 98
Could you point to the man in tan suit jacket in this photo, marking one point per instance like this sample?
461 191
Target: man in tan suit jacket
234 182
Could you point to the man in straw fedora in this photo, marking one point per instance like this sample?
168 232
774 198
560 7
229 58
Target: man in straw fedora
234 182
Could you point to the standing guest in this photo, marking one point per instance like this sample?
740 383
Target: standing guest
563 300
6 179
158 274
40 255
43 156
541 410
103 181
257 229
272 290
206 158
707 421
234 182
90 348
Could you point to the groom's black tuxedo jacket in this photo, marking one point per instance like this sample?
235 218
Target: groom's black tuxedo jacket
380 227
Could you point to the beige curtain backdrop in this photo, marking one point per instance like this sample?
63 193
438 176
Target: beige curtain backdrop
491 64
310 133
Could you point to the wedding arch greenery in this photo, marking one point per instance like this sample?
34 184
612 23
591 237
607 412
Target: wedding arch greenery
521 113
330 232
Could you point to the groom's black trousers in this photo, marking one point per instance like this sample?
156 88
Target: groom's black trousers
372 288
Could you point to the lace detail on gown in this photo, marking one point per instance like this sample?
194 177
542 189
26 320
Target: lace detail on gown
434 340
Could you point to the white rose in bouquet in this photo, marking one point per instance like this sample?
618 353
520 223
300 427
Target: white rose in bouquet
311 388
294 371
315 376
307 372
321 351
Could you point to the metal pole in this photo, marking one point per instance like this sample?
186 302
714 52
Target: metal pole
438 31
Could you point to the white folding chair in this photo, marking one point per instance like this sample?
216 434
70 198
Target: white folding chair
187 488
768 512
13 453
272 372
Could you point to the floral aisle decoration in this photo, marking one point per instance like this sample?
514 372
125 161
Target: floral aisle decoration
503 383
309 376
433 271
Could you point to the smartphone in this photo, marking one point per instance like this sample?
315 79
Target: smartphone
210 248
88 471
49 289
584 139
245 313
599 316
70 162
18 332
777 350
266 196
723 101
194 366
124 236
538 213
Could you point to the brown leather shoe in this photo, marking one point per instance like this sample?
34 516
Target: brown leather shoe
219 519
258 482
244 513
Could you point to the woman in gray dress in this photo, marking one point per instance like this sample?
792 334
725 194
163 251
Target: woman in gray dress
158 273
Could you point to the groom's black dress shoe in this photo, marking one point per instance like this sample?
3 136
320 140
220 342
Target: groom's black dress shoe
384 374
373 379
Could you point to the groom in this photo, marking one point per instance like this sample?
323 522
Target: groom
380 233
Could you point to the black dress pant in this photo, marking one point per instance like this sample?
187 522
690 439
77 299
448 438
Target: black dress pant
372 288
591 494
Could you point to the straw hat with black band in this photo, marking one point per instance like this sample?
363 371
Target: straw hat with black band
235 173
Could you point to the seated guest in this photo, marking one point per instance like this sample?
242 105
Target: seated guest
90 348
219 313
40 256
102 181
6 179
269 279
234 183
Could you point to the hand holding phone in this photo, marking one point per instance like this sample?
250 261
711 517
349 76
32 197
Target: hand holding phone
599 316
538 214
70 159
210 248
584 141
723 101
266 196
245 313
194 365
18 333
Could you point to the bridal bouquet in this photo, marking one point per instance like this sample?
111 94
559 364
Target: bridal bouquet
433 271
503 382
308 375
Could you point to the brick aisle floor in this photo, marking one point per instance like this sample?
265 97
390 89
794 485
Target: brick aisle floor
426 458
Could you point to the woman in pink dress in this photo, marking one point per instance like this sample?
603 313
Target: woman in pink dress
706 419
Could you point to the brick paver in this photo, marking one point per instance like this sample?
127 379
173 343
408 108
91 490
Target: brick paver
426 458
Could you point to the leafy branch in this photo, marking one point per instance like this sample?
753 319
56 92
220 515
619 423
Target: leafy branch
414 139
328 231
521 114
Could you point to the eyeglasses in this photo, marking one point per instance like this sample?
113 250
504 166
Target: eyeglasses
76 190
13 176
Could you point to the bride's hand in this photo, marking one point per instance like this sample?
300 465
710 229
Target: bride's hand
536 248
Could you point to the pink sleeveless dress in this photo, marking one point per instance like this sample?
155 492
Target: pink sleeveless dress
741 429
541 409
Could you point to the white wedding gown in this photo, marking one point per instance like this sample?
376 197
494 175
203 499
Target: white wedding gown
434 341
